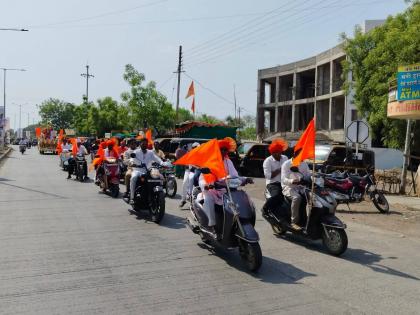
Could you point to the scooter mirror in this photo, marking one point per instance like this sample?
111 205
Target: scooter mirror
132 155
294 169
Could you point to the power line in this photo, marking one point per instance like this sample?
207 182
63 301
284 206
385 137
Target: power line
160 86
101 15
205 57
210 90
304 20
263 29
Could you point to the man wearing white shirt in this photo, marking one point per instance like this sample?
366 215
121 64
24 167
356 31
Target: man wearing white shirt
65 146
290 178
143 156
272 173
132 144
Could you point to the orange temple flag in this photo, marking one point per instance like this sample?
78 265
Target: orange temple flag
193 105
38 132
306 144
191 91
206 155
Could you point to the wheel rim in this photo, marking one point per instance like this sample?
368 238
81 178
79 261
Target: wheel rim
333 240
170 186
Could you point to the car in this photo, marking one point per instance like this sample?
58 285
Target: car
176 142
339 157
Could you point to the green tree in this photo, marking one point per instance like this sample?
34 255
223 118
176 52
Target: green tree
209 119
374 58
147 108
56 113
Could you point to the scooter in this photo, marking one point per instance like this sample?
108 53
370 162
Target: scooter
109 179
81 168
317 218
350 188
22 148
235 222
169 183
149 194
64 159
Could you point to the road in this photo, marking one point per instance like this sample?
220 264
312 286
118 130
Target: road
68 249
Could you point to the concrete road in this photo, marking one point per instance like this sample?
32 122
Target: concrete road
68 249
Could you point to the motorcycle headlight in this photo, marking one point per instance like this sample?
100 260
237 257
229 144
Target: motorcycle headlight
154 173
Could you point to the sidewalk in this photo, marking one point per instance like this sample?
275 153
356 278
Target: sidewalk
4 153
412 203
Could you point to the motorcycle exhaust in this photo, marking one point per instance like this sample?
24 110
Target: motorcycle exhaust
194 227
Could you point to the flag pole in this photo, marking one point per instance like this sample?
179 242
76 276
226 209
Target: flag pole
313 169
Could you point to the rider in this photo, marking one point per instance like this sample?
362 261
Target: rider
213 196
187 184
291 176
142 156
158 151
132 144
81 149
65 146
272 173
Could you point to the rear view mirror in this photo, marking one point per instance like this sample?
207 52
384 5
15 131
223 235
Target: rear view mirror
294 169
205 170
132 155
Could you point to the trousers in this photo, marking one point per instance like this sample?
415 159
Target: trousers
187 184
296 199
134 175
127 178
276 198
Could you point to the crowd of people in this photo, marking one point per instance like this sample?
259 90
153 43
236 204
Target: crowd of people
281 177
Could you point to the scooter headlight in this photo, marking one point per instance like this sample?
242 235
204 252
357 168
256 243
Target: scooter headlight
154 173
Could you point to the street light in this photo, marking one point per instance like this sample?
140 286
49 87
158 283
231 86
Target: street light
4 93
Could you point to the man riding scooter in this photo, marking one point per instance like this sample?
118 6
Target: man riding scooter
132 144
81 150
291 176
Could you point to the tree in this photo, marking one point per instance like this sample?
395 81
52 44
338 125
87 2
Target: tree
147 108
57 114
209 119
374 58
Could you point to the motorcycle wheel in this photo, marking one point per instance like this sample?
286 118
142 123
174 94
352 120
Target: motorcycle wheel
379 201
157 210
336 241
251 255
115 191
277 230
171 187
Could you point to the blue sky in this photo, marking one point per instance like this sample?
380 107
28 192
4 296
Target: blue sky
225 43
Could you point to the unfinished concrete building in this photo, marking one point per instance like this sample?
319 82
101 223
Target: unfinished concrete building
289 95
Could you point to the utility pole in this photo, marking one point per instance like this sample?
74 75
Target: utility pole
87 76
406 157
239 117
20 121
234 98
178 71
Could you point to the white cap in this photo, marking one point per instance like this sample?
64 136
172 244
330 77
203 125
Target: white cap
195 144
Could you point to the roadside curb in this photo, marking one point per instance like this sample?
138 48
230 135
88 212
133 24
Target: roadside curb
3 155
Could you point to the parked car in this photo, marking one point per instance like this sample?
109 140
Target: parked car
175 142
330 158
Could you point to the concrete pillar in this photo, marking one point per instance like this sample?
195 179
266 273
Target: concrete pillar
330 113
276 97
276 119
331 76
294 100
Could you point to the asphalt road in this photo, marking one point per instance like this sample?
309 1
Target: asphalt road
66 248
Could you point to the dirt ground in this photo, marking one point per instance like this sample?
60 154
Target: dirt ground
402 220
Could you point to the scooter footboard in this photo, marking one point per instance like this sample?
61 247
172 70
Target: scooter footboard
247 233
333 221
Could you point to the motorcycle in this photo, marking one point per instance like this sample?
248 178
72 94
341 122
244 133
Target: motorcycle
317 218
123 170
169 181
235 221
109 179
350 188
64 159
22 148
149 194
81 168
28 145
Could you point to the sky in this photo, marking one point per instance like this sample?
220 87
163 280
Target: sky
225 42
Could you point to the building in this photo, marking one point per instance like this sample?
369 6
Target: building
289 95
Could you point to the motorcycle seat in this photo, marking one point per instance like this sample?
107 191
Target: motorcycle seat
336 179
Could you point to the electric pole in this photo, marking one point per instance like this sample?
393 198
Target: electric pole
239 117
178 71
87 76
20 121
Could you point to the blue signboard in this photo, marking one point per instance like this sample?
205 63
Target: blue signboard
408 83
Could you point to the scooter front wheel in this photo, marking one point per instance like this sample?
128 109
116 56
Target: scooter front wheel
335 240
171 187
115 191
251 254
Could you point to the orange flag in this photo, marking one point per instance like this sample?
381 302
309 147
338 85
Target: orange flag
206 155
193 105
306 143
191 91
74 148
38 132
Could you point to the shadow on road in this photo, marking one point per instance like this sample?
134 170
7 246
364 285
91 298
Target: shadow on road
344 211
5 180
169 220
371 260
271 271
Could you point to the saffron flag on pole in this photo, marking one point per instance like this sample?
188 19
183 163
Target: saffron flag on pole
193 105
206 155
191 91
306 145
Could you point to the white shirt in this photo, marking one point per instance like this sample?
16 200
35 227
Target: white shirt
147 158
23 142
270 165
126 156
287 176
82 150
107 153
229 169
66 147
